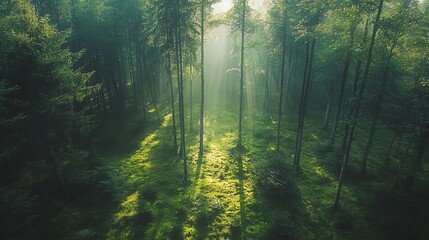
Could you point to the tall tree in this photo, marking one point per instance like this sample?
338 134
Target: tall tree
358 105
393 28
312 14
240 116
201 146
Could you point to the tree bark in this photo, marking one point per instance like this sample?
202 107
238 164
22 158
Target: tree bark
328 106
303 102
191 127
282 80
418 155
390 149
181 102
342 87
352 101
240 118
357 109
398 173
363 170
172 98
201 149
298 130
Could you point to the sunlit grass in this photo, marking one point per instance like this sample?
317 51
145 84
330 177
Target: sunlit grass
129 208
223 199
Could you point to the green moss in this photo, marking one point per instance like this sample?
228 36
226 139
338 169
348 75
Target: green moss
253 194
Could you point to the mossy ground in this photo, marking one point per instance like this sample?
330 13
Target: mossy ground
253 193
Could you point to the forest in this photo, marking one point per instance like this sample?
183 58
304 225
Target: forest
214 119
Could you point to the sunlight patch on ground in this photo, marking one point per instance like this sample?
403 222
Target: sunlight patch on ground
322 173
129 207
128 210
151 212
216 197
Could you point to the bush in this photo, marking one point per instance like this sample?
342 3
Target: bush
274 178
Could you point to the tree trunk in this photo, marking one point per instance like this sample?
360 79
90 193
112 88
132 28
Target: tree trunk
398 174
342 87
419 152
343 166
363 170
141 80
328 106
172 98
282 80
357 109
390 149
303 102
267 90
354 90
298 130
295 71
240 118
191 127
181 102
58 172
131 63
201 150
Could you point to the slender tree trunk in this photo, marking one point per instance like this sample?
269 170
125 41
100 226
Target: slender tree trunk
303 102
389 152
282 80
154 102
240 118
421 144
399 144
295 71
328 106
172 98
178 70
342 87
131 63
201 149
379 100
267 90
304 82
58 172
398 173
149 84
191 127
357 109
352 102
141 80
181 102
343 166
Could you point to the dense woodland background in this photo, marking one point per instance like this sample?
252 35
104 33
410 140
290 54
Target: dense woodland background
202 119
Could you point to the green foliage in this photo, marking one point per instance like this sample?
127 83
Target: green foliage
280 226
275 178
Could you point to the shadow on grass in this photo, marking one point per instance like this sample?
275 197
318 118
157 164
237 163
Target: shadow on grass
199 163
146 183
238 232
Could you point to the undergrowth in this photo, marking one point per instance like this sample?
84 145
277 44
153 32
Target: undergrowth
249 194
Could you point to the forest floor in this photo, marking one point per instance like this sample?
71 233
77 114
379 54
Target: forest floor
252 194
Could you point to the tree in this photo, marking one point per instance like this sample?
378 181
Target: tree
39 94
240 116
203 15
282 83
351 20
312 14
358 105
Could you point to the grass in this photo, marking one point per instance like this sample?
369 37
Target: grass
252 194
